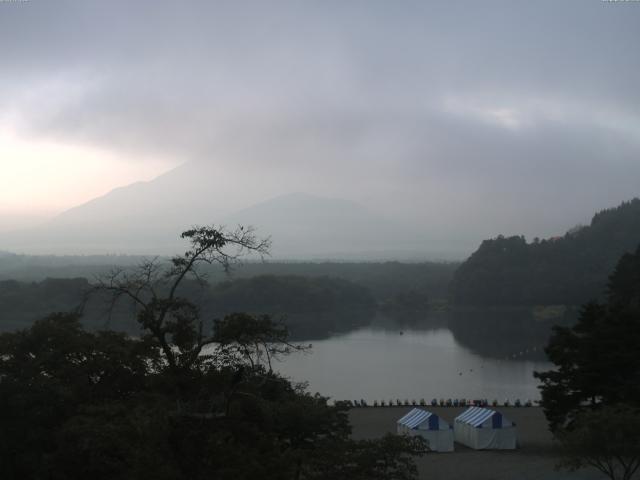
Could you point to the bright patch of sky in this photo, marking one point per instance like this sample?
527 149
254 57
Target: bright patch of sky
44 177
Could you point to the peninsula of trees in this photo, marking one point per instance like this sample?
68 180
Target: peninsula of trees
569 270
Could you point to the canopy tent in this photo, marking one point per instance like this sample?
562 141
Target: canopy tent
481 428
429 426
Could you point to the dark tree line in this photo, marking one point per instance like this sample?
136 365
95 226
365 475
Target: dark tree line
568 270
310 306
384 280
23 302
293 294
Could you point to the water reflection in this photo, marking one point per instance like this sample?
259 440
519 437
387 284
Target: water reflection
440 355
507 335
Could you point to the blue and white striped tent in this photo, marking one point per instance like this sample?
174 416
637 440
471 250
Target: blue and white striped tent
482 428
428 425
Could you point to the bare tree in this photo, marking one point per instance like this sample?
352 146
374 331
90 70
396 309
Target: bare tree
153 289
254 341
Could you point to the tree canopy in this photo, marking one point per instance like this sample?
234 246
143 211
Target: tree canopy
592 397
597 359
607 439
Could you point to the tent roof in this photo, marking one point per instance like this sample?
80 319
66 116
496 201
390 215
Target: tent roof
475 416
415 417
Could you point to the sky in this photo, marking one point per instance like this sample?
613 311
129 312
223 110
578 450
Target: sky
472 118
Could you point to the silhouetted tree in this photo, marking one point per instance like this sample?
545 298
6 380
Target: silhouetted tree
153 289
592 397
598 359
49 374
257 340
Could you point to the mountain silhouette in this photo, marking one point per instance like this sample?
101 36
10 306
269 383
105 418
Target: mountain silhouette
148 217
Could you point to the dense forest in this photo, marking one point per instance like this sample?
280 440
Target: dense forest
312 299
309 306
570 270
384 280
24 302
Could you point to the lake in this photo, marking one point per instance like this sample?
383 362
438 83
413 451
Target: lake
386 361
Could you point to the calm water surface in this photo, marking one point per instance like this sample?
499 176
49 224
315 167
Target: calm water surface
379 364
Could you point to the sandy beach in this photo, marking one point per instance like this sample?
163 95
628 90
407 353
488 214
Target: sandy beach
533 460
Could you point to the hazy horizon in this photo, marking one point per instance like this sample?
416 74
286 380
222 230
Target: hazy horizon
457 122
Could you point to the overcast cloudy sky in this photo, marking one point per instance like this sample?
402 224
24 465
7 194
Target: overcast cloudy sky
470 116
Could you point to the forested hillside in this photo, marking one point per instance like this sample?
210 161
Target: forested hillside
571 269
22 303
309 306
385 280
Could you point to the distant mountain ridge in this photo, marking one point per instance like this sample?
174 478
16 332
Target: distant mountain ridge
148 217
309 226
572 269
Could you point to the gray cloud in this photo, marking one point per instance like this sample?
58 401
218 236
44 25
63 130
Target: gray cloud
467 116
